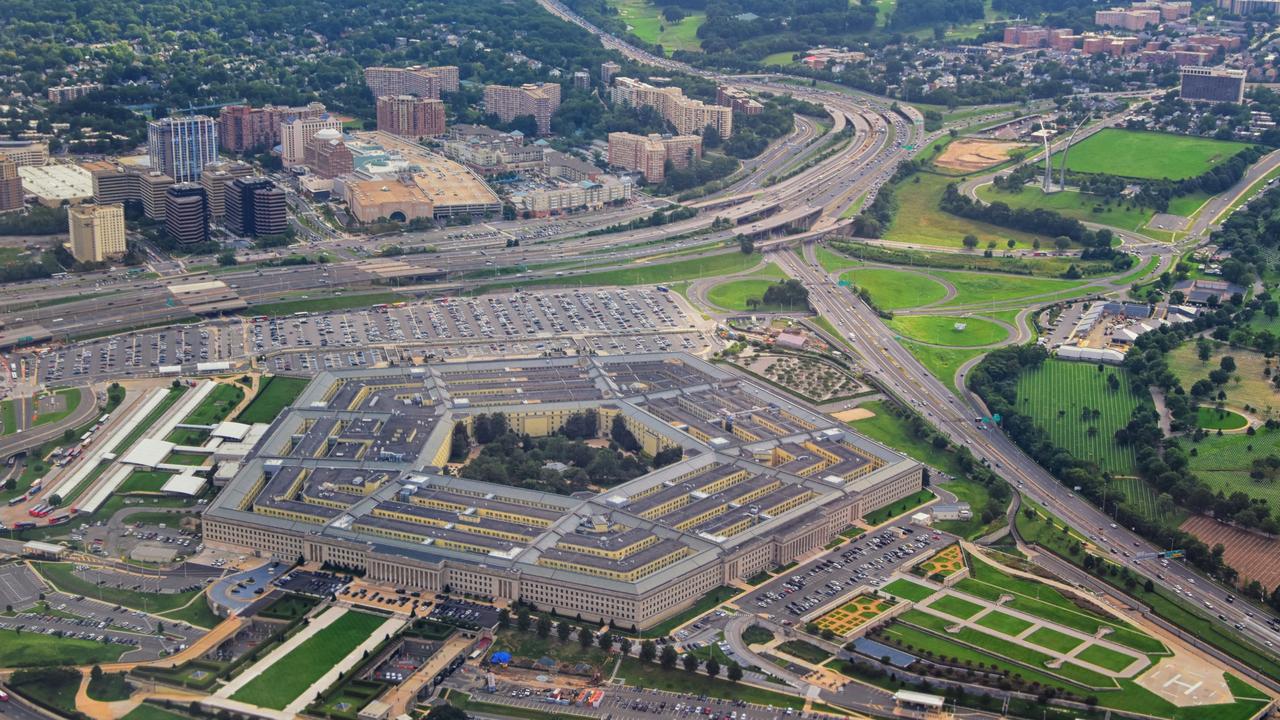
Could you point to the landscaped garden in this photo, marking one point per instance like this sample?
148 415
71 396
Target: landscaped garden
852 615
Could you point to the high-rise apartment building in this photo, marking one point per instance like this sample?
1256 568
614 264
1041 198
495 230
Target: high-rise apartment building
411 116
97 232
215 179
186 213
649 154
1126 18
242 128
255 207
10 185
608 70
739 100
689 116
63 93
581 79
180 147
428 82
295 132
328 156
1212 84
537 99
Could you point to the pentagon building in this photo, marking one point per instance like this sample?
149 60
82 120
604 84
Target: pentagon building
352 475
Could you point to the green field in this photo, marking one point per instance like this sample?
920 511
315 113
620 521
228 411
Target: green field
1250 383
61 575
292 674
779 58
896 289
980 288
1003 623
146 711
1082 207
919 221
29 649
1056 395
1146 500
274 395
1214 419
144 481
72 399
898 507
1105 658
320 304
645 21
734 294
907 590
1223 462
941 330
893 431
649 274
1148 155
955 606
1047 637
831 261
212 410
942 362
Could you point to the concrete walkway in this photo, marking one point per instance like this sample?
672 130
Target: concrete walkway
318 623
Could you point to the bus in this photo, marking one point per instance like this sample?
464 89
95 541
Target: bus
15 501
301 313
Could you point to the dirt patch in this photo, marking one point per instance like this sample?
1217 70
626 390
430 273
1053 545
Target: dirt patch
1253 554
853 414
972 154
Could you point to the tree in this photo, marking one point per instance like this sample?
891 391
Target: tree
605 641
586 638
563 631
624 645
711 138
712 668
544 627
970 241
1011 243
735 672
227 258
746 245
668 658
648 651
690 662
522 620
1062 242
504 619
95 674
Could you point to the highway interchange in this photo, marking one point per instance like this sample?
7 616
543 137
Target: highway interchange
880 142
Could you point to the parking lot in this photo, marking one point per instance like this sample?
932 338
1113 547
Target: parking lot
607 322
88 619
19 586
865 562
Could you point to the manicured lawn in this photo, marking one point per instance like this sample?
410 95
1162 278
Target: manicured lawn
649 274
1150 155
274 395
197 613
150 419
779 58
181 458
908 590
1105 657
898 507
645 21
833 261
212 410
27 649
896 289
8 417
290 676
955 607
893 431
942 362
987 288
978 498
1081 206
1224 462
1250 382
1047 637
323 303
109 688
147 711
144 481
919 220
734 294
805 651
1214 419
61 575
71 396
1004 623
705 603
944 330
651 675
756 635
1073 402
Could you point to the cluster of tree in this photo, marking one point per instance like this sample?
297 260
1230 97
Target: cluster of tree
657 218
1162 464
41 266
583 116
789 293
710 168
921 13
583 425
37 220
876 216
521 461
1252 234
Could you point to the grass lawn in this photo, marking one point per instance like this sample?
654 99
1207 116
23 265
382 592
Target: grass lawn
54 686
147 711
1250 383
274 394
1051 639
651 675
1148 155
942 362
1223 462
322 303
942 330
290 676
833 261
109 688
986 288
1081 206
72 398
893 431
898 507
919 220
978 498
181 458
1058 394
756 635
955 607
735 294
213 409
706 603
1214 419
529 645
779 58
197 613
8 417
150 419
27 649
645 21
805 651
61 575
144 481
1003 623
896 289
908 590
649 274
1105 657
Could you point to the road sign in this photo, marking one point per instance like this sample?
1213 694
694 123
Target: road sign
845 283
